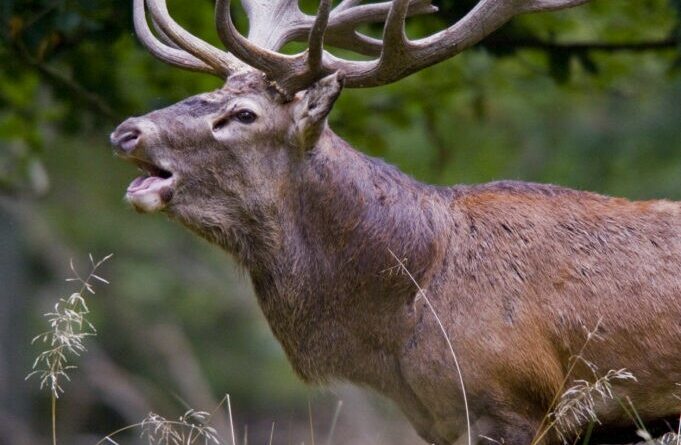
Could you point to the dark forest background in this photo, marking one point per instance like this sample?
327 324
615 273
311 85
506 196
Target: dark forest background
588 98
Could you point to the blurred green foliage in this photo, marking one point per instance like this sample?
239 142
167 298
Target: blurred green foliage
81 54
588 98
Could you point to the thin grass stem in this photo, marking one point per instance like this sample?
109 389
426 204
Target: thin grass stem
587 434
65 338
54 419
108 437
271 435
231 420
543 432
336 414
422 293
309 411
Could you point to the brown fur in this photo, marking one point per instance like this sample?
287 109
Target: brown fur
516 271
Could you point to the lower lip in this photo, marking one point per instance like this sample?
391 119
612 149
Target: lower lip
150 193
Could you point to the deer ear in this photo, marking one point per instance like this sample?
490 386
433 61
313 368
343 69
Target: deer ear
312 107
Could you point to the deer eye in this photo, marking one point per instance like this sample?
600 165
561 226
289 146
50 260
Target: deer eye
245 116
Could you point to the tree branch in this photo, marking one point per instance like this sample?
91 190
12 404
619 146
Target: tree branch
581 47
89 98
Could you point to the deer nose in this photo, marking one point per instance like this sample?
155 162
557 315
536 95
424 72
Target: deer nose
126 137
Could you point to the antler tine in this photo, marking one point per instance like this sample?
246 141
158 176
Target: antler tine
316 40
486 17
342 31
218 60
395 40
170 55
551 5
273 22
354 41
162 36
395 52
263 59
289 73
375 12
345 4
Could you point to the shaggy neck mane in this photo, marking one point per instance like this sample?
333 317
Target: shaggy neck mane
331 267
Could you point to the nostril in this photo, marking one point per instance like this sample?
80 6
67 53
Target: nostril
128 140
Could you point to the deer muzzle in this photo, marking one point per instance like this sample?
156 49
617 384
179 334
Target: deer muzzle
154 189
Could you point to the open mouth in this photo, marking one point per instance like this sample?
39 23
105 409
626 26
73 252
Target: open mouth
153 190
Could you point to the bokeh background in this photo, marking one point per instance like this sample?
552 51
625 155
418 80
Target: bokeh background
588 98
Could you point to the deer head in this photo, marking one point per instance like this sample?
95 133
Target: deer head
221 158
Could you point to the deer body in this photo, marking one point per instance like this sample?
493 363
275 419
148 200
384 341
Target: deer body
518 273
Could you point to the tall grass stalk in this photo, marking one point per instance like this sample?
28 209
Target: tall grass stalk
332 429
309 411
188 429
271 435
231 420
548 422
577 405
65 338
192 427
572 407
422 294
631 411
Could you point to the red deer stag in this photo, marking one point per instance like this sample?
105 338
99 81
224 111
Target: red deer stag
514 270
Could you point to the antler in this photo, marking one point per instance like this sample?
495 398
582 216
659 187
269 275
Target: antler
273 23
401 57
172 44
176 46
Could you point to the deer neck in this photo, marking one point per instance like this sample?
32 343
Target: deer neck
334 279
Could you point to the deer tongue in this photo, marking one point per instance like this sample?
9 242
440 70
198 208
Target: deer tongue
150 193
